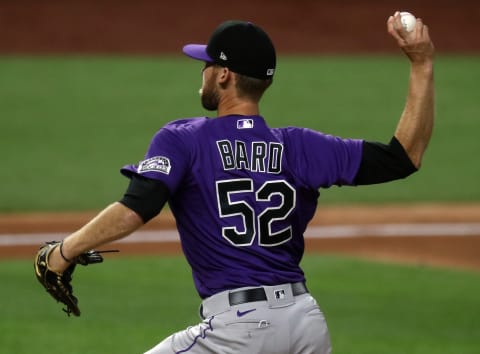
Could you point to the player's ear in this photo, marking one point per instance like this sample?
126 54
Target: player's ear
224 76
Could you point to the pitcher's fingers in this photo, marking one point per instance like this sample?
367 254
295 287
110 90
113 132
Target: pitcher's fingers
424 34
392 30
419 28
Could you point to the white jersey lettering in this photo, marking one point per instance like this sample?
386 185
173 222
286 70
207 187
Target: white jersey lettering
265 157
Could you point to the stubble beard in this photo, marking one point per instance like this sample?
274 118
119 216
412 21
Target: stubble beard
210 97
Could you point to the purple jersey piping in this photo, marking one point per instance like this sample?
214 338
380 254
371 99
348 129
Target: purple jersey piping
202 335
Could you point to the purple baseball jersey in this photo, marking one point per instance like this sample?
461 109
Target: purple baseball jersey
242 194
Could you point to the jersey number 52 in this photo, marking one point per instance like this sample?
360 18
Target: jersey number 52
251 221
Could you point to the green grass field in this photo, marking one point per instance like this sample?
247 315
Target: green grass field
371 308
68 124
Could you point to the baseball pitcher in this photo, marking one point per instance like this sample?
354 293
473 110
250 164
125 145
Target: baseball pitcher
243 193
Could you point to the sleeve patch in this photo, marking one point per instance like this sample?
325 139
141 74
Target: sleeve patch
155 164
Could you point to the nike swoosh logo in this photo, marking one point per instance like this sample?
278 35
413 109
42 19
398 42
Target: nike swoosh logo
243 313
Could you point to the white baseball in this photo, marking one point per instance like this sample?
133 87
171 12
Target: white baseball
408 21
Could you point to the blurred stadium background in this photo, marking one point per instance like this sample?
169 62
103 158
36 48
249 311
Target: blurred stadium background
85 84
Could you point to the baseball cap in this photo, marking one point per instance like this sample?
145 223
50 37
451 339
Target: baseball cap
243 47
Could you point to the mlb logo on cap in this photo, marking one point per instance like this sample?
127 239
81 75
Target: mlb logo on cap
241 46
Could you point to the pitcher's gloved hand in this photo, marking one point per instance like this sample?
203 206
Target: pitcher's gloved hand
59 284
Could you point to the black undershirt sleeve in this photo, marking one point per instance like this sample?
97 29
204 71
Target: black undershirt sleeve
145 196
382 163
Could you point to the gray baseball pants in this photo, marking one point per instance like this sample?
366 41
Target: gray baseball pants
281 324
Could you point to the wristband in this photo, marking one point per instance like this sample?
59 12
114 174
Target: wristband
61 253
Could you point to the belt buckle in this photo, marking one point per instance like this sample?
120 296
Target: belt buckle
279 295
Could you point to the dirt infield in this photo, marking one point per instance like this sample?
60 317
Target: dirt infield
460 250
154 27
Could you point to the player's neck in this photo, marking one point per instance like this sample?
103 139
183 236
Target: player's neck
238 107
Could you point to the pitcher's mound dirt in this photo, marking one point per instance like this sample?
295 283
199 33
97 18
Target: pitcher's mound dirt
450 251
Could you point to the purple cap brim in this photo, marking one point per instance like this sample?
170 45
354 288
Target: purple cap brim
197 51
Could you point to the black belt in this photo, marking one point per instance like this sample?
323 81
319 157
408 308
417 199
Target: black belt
258 294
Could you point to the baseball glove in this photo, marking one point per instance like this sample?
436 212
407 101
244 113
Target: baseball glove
59 284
